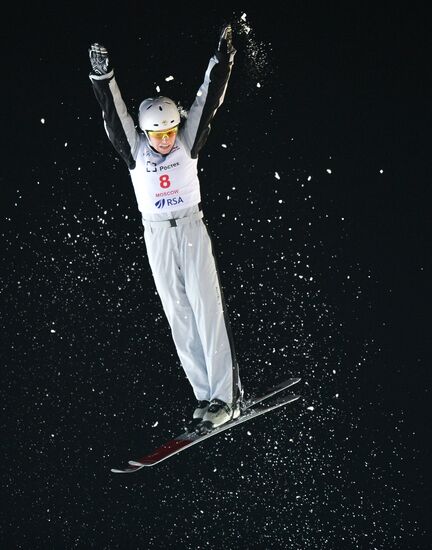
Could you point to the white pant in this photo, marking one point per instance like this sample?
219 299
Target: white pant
186 278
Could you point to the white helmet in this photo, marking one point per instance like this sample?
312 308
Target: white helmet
158 113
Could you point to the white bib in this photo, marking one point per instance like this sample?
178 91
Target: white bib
165 183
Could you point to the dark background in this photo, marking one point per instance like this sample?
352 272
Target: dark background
316 187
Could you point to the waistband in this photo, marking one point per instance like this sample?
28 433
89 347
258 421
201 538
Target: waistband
174 222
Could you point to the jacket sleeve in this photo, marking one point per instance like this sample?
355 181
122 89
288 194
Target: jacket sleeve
118 123
208 99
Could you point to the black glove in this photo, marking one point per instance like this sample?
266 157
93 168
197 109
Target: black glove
99 59
225 46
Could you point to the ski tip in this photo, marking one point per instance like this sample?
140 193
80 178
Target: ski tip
130 470
135 463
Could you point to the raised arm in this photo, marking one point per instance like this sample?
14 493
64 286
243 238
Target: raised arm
118 123
210 94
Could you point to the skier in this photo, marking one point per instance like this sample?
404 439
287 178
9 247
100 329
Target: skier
162 160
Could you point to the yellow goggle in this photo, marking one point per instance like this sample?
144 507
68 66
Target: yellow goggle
160 135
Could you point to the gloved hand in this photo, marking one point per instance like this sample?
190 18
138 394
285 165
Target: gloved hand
225 46
99 59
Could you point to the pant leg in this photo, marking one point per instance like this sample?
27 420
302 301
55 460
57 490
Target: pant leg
168 275
205 295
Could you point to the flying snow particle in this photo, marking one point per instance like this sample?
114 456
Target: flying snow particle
328 171
168 78
42 121
245 27
277 176
258 64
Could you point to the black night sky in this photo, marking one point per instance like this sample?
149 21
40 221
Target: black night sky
315 183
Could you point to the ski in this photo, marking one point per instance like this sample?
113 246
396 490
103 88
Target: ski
251 408
269 392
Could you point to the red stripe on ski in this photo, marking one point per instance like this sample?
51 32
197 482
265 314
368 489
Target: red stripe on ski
166 449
